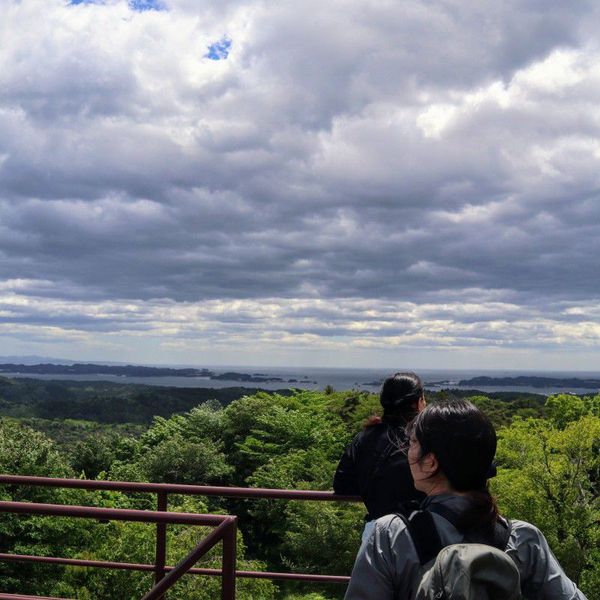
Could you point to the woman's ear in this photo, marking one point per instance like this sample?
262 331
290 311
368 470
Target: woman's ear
430 465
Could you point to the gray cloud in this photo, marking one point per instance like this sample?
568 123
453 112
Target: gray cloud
368 157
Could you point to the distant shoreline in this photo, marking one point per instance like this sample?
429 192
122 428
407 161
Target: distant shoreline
140 371
277 378
95 369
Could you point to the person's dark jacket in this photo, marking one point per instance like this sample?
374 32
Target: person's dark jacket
374 466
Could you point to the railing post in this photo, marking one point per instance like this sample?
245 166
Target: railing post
161 540
186 563
229 561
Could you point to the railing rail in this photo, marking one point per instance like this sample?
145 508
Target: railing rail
175 488
165 575
226 527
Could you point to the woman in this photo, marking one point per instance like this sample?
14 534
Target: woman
374 465
452 447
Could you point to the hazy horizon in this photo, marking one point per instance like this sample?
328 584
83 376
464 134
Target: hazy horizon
33 359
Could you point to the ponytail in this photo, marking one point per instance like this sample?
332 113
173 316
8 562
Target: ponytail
482 514
395 420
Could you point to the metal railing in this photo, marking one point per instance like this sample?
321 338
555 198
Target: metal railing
164 576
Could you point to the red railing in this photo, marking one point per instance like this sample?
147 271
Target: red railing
165 576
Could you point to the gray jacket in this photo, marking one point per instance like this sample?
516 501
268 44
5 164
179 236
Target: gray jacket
387 566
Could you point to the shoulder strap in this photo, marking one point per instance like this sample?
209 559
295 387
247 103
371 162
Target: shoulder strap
424 534
426 538
502 532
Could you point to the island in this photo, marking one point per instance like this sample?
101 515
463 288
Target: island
138 371
532 381
257 378
95 369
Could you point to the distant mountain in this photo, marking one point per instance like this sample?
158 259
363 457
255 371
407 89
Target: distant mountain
532 381
94 369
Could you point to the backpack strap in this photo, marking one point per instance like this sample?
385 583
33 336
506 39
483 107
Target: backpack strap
424 534
502 532
426 538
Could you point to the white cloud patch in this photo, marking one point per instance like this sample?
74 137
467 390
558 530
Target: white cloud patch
341 322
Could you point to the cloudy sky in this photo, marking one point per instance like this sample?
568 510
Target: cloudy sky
298 182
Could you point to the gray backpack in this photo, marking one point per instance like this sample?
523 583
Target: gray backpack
471 570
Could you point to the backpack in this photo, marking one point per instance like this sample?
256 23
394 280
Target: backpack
477 569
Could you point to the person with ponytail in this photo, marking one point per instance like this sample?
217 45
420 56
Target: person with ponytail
451 452
374 465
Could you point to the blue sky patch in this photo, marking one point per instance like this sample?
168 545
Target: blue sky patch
219 50
137 5
144 5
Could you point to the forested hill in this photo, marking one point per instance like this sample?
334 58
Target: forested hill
105 402
134 371
109 402
548 473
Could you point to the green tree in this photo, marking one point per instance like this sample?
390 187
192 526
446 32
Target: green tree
499 412
27 452
296 444
181 449
178 460
549 476
135 542
94 455
565 408
322 537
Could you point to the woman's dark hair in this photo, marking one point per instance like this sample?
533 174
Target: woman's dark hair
400 395
463 440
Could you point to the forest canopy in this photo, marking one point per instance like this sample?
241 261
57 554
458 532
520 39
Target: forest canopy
548 473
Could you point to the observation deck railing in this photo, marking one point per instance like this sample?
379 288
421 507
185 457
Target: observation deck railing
165 576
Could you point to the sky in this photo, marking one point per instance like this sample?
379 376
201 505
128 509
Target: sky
347 183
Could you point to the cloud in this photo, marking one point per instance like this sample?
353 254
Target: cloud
284 324
348 156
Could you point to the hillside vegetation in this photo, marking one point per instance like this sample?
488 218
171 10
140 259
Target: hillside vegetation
104 401
548 459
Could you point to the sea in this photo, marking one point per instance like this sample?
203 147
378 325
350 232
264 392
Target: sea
317 378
